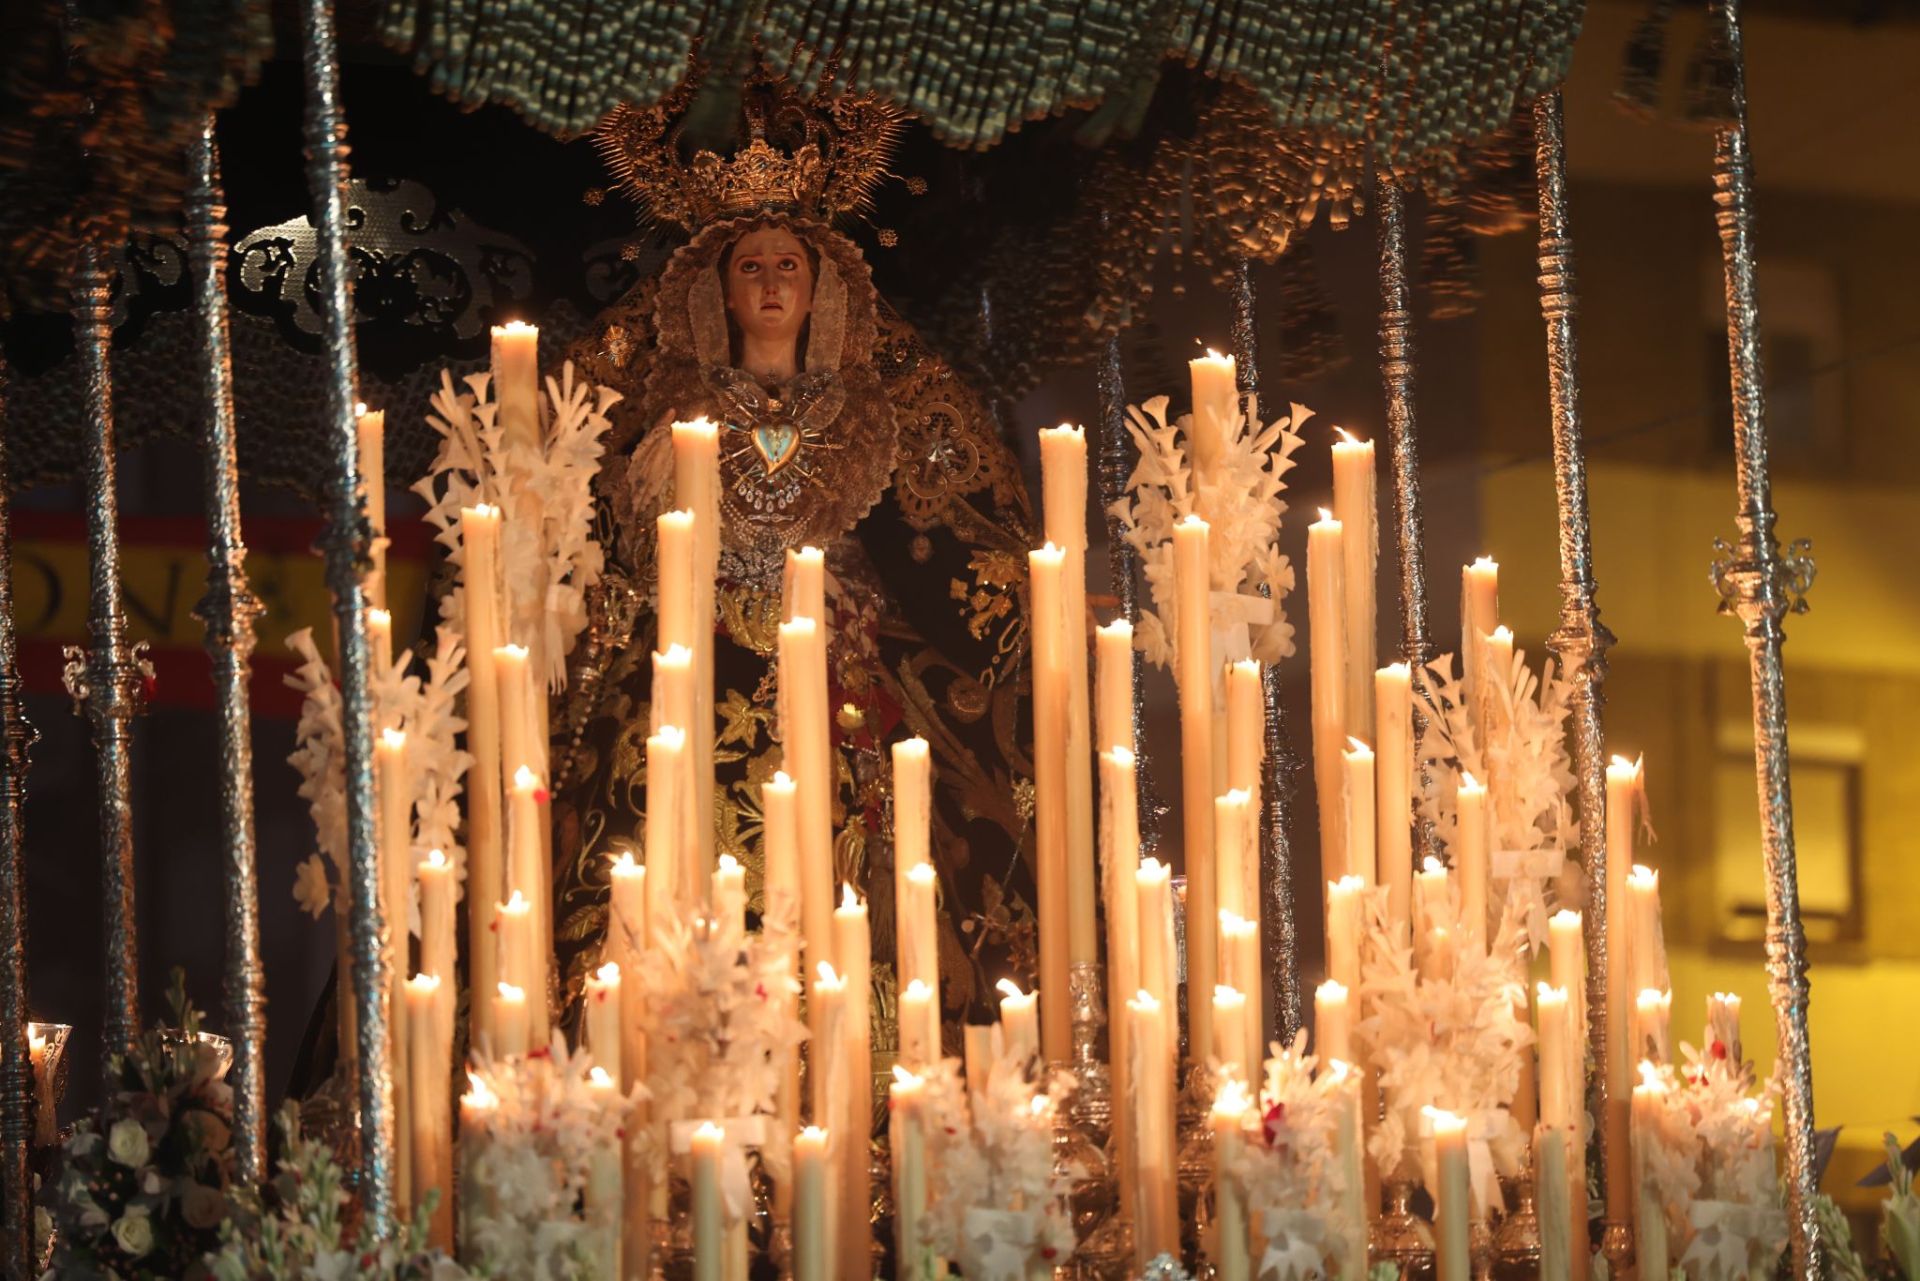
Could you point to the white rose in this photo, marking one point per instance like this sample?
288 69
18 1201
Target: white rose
133 1232
127 1143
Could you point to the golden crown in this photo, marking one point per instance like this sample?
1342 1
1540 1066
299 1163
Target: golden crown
820 158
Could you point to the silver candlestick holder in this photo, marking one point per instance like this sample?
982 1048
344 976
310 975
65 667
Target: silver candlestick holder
1516 1243
1194 1165
1081 1131
1401 1237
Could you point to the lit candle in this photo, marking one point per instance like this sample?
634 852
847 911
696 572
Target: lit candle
1553 1204
917 1048
1355 507
1120 865
1437 960
516 381
513 931
803 584
1216 411
1233 843
626 943
604 1192
976 1048
510 1021
1113 675
486 876
1393 787
1431 895
1479 615
1723 1025
1228 1120
1451 1199
601 1014
1358 764
1063 471
1345 900
812 1217
1019 1026
1645 939
370 434
1246 732
1153 890
696 488
851 949
429 1065
826 1046
1230 1030
1053 888
780 925
730 894
666 818
1650 1220
40 1056
1332 1022
806 746
912 806
1350 1207
906 1142
478 1108
1473 857
1559 1058
1193 653
1652 1016
1567 964
523 811
675 567
1327 652
917 932
1156 1228
1623 787
435 877
1492 716
1241 969
709 1207
396 877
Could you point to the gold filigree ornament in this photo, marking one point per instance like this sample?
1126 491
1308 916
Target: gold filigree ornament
818 158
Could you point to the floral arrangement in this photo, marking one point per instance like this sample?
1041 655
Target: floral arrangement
294 1228
536 1203
426 709
1708 1144
711 989
1900 1229
142 1187
549 557
1242 506
1288 1171
996 1203
1516 744
1451 1041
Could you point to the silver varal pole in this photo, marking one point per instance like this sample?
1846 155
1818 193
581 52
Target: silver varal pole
228 609
17 1093
1581 640
1279 933
1759 585
107 679
346 543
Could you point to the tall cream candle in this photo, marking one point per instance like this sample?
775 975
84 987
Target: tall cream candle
807 749
1241 969
1358 511
1229 1252
1216 409
1552 1200
1159 974
486 874
1471 861
906 1143
1234 853
513 926
1019 1023
510 1021
1113 677
1349 1140
918 1048
912 805
1652 1019
831 1083
1120 865
1063 472
730 893
626 942
696 488
812 1222
675 566
1567 963
604 1196
370 434
780 920
396 889
1332 1022
1393 789
434 875
917 932
429 1033
1559 1058
709 1206
1723 1026
523 810
1246 735
516 381
1053 885
1327 652
1345 924
851 949
1357 788
666 821
1623 787
803 584
1651 1255
600 1012
1451 1198
1230 1041
1646 940
1156 1226
1193 653
1479 615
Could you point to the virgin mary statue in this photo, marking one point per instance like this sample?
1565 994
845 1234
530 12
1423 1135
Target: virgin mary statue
839 430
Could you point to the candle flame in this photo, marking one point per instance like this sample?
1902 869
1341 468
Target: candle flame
1118 627
813 1134
1348 436
921 874
515 327
1231 922
1212 354
1441 1119
377 617
1326 517
905 1078
608 974
516 902
1231 1097
484 511
1357 748
849 901
1192 521
728 865
597 1076
1349 885
36 1040
1431 866
360 408
436 859
625 865
479 1094
918 988
1395 670
1650 1078
1546 991
709 1134
1339 1070
1485 563
512 653
675 655
1468 783
1623 764
679 516
1729 999
1012 990
1331 990
508 992
1152 868
1143 1001
1121 756
395 739
425 984
1643 876
809 552
1503 634
781 780
1039 1104
1228 993
828 978
1565 918
525 780
669 736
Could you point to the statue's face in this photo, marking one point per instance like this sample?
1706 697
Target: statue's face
769 285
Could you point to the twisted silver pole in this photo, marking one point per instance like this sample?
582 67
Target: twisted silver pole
1279 932
346 543
228 610
1403 455
1759 585
106 679
17 1095
1581 640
